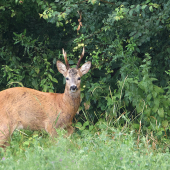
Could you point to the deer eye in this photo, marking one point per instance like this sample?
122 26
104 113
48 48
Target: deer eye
67 78
78 78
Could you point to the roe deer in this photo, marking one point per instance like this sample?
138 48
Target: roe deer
23 108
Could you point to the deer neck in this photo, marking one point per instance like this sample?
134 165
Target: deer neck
72 100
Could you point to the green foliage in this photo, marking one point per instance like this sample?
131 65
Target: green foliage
36 71
113 150
127 42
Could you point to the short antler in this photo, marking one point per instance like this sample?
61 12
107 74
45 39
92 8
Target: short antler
65 58
78 64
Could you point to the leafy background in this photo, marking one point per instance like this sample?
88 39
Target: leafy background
127 41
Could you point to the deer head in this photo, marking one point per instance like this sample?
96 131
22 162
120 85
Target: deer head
73 75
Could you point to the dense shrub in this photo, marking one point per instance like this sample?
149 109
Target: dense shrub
127 42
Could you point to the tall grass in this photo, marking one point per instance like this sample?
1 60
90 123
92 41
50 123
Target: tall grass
101 150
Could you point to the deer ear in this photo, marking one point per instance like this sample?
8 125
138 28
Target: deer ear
85 68
61 68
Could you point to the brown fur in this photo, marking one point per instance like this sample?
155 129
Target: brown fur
22 107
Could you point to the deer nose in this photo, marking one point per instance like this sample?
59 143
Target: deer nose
73 88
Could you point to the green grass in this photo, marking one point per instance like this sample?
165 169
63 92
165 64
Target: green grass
100 150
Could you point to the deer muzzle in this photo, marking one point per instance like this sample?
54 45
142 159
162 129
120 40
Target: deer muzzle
73 88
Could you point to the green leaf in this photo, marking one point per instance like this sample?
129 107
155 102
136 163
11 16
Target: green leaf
35 135
2 8
91 127
86 123
142 85
51 70
156 102
149 96
109 101
131 12
159 133
37 70
158 89
147 111
154 93
168 50
161 112
155 108
144 6
138 8
132 33
26 143
55 80
82 95
78 125
135 126
151 8
43 81
165 123
139 108
35 84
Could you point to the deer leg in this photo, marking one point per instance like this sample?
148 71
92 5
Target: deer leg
6 129
4 134
50 129
70 130
68 127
